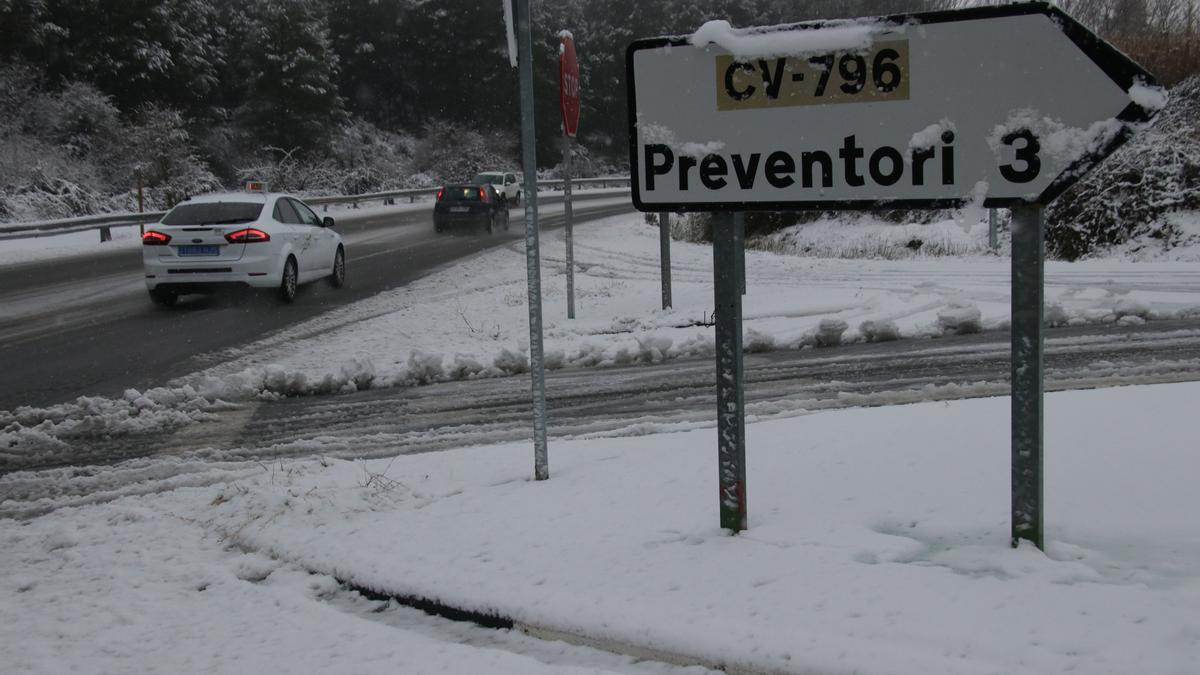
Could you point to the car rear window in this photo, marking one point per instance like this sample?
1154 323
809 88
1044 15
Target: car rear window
485 178
213 213
460 193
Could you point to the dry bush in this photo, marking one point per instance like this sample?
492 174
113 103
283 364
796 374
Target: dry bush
1171 57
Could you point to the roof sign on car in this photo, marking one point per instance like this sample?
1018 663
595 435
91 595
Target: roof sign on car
256 186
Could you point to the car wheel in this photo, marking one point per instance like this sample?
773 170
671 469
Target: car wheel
491 224
163 298
518 200
338 278
507 219
289 282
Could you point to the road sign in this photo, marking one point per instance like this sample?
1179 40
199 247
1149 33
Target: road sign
1006 104
568 84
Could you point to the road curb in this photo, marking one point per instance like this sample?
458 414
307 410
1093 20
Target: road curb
497 620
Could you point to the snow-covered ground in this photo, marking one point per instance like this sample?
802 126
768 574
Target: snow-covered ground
878 543
31 249
878 537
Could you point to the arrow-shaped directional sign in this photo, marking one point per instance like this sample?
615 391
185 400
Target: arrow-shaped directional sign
992 104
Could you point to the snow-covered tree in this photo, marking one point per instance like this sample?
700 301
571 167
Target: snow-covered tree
134 50
289 69
162 156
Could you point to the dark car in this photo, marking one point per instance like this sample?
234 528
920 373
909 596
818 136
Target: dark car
469 206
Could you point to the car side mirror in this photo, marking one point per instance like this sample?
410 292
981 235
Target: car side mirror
327 222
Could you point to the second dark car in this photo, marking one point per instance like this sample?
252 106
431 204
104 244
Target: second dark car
469 206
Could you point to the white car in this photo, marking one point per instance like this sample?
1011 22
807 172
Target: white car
505 183
256 239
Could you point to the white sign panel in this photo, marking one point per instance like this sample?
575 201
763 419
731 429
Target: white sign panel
998 104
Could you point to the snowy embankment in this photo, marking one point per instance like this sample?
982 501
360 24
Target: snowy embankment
878 543
470 321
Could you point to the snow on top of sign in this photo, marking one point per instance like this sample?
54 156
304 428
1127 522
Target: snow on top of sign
1151 97
510 31
749 43
657 133
1058 142
930 136
564 35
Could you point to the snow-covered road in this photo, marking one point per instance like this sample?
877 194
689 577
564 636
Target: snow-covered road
583 403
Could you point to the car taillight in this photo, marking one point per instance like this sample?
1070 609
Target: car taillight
248 236
482 195
152 238
440 192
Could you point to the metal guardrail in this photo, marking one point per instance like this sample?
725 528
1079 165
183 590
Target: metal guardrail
101 222
105 222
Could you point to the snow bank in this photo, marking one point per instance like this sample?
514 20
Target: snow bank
960 319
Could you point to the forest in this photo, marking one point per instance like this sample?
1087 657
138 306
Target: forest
182 96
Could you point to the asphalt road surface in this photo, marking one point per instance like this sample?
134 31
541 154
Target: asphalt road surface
681 394
638 399
84 326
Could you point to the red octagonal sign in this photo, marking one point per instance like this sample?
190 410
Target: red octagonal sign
568 84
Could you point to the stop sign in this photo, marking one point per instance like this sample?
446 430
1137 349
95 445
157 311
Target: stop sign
568 84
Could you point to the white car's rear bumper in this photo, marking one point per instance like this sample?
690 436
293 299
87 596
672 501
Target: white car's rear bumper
197 274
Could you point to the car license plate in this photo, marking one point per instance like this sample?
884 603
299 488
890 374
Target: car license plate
199 250
459 209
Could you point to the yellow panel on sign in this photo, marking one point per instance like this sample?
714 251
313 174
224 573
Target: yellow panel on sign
880 74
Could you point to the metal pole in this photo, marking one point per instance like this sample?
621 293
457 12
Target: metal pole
664 255
541 468
993 235
1027 342
731 417
141 199
739 234
570 236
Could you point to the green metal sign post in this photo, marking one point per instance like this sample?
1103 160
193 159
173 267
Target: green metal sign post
1028 256
537 372
664 256
731 405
